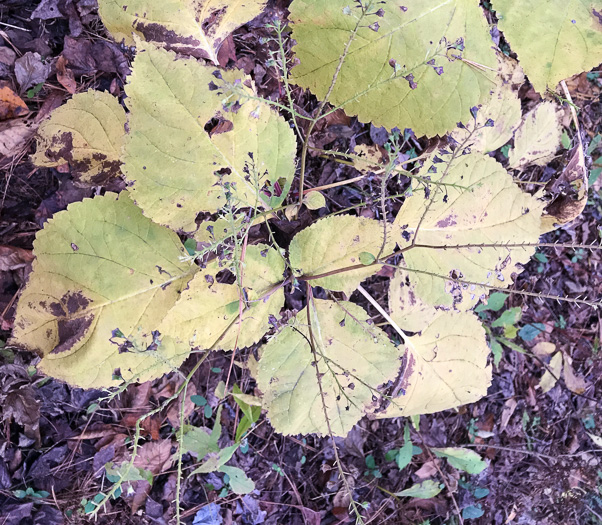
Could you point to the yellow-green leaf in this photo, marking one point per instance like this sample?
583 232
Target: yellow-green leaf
554 39
88 134
104 275
537 138
187 26
446 366
552 373
498 117
422 64
335 243
477 228
406 307
207 314
353 360
177 168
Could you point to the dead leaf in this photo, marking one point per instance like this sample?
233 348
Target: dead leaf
65 76
573 382
570 193
544 348
13 258
21 406
156 457
14 135
552 373
30 70
86 58
508 410
428 470
11 104
137 400
173 411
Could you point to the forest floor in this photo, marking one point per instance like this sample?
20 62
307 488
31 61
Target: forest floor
544 460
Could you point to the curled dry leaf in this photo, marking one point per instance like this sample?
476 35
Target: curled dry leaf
569 193
14 258
31 70
65 76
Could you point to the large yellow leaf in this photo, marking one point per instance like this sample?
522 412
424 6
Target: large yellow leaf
554 39
190 26
207 314
391 75
446 366
406 307
537 138
176 167
353 360
88 134
335 243
468 230
102 269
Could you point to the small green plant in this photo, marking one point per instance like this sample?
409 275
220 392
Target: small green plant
116 296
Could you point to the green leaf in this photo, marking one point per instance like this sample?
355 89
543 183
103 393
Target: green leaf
508 318
101 266
425 490
125 472
446 367
335 243
198 441
531 331
554 39
199 401
239 482
412 37
178 169
462 459
538 137
497 351
188 26
472 512
353 358
314 200
88 134
404 456
216 460
466 230
204 316
495 302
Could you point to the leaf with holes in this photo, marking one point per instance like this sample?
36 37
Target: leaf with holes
336 243
208 312
88 134
419 64
188 26
473 230
352 359
187 151
446 366
103 279
554 39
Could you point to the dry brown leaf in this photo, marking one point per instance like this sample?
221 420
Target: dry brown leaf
156 457
173 411
14 135
11 104
569 191
544 348
13 258
65 76
21 406
573 382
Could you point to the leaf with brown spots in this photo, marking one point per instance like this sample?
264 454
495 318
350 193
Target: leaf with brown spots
195 27
476 226
352 357
446 366
103 279
87 133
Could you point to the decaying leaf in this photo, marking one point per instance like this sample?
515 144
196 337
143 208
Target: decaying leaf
154 458
537 138
353 359
88 133
498 117
573 382
473 230
554 39
446 366
338 242
14 258
186 150
207 313
187 26
552 373
14 135
31 70
103 279
11 104
422 64
569 191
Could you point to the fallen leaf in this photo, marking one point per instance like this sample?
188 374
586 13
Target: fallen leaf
174 409
573 382
14 135
65 76
425 490
30 70
21 406
552 373
11 105
13 258
544 348
155 457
